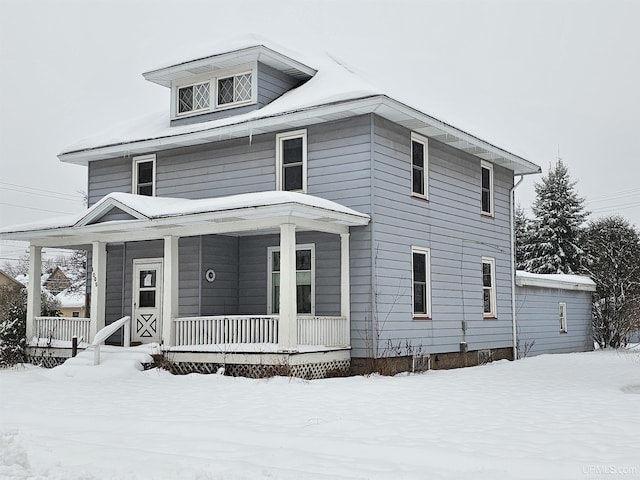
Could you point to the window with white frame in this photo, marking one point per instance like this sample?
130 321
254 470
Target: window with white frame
234 89
563 317
419 166
421 282
487 188
305 279
144 175
291 159
193 98
489 287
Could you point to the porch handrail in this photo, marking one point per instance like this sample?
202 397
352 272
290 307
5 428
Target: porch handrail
106 332
324 330
62 328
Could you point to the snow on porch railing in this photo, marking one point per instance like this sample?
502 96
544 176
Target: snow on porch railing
226 329
63 328
328 331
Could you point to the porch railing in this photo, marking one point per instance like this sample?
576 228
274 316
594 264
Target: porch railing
226 329
215 330
62 328
328 331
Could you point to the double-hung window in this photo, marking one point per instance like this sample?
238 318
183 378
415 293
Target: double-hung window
563 317
419 166
487 188
489 287
234 89
193 98
291 161
421 282
144 175
305 279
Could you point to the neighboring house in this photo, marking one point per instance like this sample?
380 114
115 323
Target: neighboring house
554 313
283 213
7 281
57 281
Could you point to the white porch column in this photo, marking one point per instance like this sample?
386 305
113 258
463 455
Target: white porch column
345 290
169 290
288 324
98 287
34 290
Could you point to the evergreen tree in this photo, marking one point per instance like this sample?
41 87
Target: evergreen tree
612 247
521 234
553 245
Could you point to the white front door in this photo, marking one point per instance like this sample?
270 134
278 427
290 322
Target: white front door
147 300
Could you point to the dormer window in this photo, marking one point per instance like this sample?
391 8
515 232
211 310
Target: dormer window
234 89
210 92
193 98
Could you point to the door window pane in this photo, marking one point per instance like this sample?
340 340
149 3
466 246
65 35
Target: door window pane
147 278
147 299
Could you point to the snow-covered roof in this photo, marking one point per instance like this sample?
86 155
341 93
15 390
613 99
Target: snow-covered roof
334 92
154 216
250 48
69 299
554 280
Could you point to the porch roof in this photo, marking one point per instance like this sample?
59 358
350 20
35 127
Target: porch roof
123 216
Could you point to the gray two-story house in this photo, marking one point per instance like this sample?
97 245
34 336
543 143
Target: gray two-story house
282 213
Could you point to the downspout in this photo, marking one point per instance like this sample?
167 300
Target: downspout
512 209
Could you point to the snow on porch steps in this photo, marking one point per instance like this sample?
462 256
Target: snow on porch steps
114 362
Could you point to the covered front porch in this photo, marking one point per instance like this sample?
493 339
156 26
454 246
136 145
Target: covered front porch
212 281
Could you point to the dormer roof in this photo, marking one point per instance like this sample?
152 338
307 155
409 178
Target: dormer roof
220 61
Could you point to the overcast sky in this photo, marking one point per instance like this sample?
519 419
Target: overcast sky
538 78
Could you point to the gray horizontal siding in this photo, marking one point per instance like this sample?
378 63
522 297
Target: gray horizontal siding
220 253
272 84
537 313
458 236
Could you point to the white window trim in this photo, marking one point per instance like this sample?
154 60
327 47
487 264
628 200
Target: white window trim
176 100
494 310
427 253
562 307
249 101
488 166
305 246
213 89
280 137
136 161
425 142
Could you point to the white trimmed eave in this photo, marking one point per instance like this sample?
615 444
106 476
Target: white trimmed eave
258 220
379 104
258 53
552 281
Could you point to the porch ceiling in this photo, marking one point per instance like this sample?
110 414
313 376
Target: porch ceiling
156 217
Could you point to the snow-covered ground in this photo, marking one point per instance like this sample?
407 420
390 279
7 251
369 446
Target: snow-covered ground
548 417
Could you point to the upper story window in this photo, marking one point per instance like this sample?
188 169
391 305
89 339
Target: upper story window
193 98
210 92
144 175
419 166
487 188
291 161
489 287
234 89
421 278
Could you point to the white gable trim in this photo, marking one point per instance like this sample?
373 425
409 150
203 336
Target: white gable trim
105 206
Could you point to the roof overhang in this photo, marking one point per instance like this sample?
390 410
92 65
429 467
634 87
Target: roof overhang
379 104
258 53
556 281
155 218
